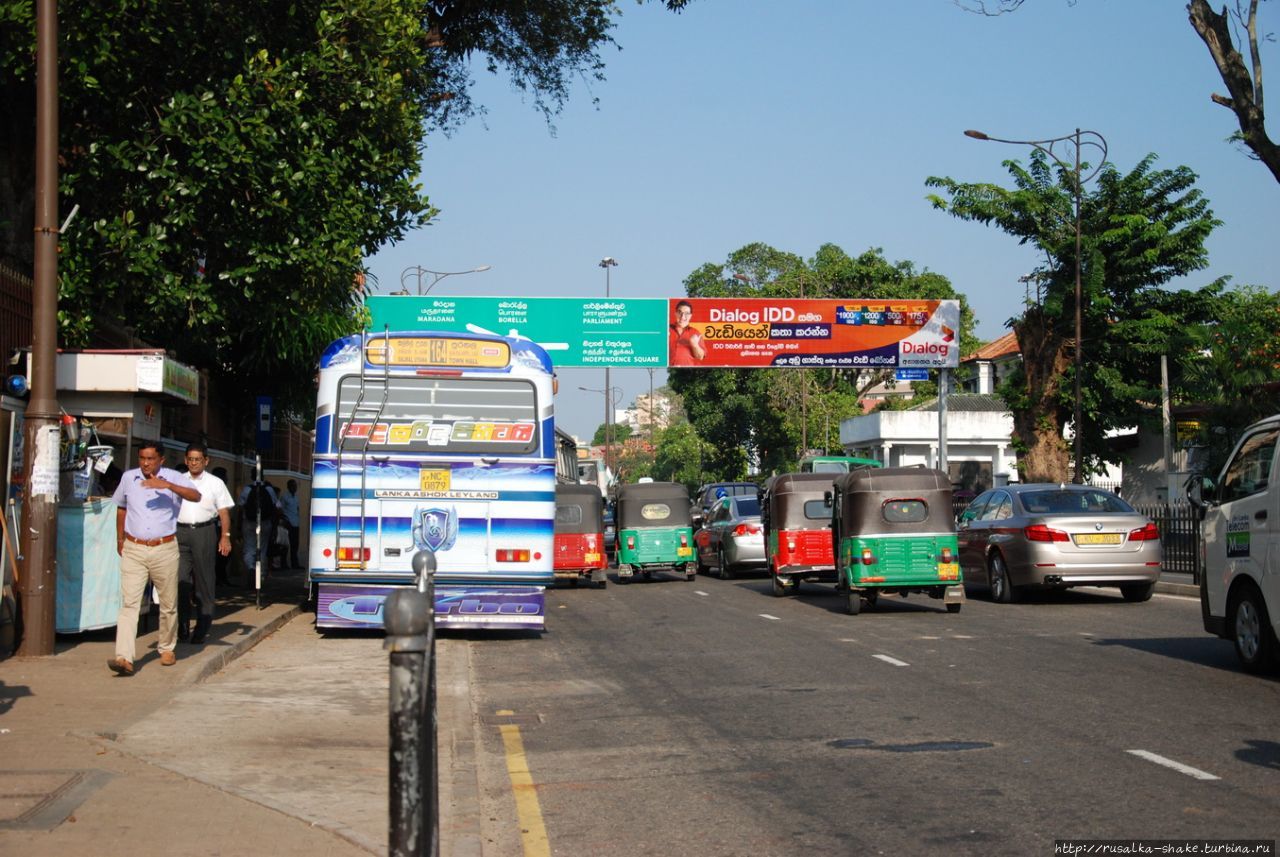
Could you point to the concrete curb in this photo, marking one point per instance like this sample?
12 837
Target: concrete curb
1187 590
215 663
459 785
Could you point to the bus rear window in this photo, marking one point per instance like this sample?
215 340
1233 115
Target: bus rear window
495 416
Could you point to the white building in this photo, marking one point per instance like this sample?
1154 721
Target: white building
979 449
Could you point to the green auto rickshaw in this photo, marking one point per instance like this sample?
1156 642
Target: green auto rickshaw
893 531
655 530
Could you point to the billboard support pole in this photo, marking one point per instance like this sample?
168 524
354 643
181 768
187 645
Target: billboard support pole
943 381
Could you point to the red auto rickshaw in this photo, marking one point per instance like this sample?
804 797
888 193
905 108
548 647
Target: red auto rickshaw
579 534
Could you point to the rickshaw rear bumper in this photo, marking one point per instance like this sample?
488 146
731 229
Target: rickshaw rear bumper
818 572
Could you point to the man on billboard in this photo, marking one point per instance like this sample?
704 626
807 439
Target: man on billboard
685 348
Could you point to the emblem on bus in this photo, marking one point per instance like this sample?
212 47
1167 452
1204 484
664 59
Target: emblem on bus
435 529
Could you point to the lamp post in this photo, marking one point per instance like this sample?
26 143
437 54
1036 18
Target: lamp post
1075 141
436 276
611 397
607 262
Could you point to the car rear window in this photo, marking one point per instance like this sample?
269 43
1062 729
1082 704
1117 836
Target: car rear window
748 506
906 511
1058 502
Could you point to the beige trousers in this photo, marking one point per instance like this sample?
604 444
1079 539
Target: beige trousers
138 564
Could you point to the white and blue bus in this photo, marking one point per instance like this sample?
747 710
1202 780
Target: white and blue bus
438 442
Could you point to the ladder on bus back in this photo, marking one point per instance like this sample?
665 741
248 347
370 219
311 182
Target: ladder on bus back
353 452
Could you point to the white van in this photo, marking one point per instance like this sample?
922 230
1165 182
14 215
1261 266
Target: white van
1240 588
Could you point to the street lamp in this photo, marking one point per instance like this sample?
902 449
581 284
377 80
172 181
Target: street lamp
612 395
436 276
607 262
1075 141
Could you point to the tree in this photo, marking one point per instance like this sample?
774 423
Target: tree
1236 368
1243 81
235 161
755 415
678 456
618 432
1139 230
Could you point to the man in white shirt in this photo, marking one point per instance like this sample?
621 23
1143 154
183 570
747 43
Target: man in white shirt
204 529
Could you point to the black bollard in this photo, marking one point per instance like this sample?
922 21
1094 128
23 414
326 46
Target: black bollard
409 619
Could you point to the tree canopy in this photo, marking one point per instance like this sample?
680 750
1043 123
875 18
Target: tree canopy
752 414
234 162
1139 230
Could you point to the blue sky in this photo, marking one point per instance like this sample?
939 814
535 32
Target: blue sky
814 121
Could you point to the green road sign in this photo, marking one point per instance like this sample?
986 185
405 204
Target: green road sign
576 332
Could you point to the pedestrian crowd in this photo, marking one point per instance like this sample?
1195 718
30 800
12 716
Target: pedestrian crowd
173 532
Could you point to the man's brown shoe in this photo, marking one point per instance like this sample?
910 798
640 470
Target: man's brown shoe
120 666
168 659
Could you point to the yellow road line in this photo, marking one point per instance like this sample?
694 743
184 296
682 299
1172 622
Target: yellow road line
533 834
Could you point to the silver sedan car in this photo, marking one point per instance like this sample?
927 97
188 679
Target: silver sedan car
1052 536
731 538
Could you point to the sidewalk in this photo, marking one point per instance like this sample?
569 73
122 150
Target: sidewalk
64 788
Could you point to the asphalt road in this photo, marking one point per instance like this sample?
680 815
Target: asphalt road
710 718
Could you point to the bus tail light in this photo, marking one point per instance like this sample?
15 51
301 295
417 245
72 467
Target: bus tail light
868 558
1041 533
513 555
353 554
1149 533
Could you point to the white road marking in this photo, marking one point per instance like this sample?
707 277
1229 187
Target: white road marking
931 638
963 637
894 661
1177 766
699 592
767 616
848 640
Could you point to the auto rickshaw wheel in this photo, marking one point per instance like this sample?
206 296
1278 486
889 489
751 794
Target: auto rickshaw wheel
690 571
954 608
779 587
853 601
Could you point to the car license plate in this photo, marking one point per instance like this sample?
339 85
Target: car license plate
684 551
1097 538
948 571
433 479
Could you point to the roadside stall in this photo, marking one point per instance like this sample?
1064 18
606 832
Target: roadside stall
109 399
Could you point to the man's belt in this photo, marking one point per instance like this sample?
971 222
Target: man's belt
199 525
149 542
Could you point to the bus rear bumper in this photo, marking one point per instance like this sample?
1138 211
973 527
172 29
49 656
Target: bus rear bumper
360 605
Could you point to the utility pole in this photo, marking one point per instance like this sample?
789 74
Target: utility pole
38 539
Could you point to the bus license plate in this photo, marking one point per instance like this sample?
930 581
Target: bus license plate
433 480
1097 538
948 571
